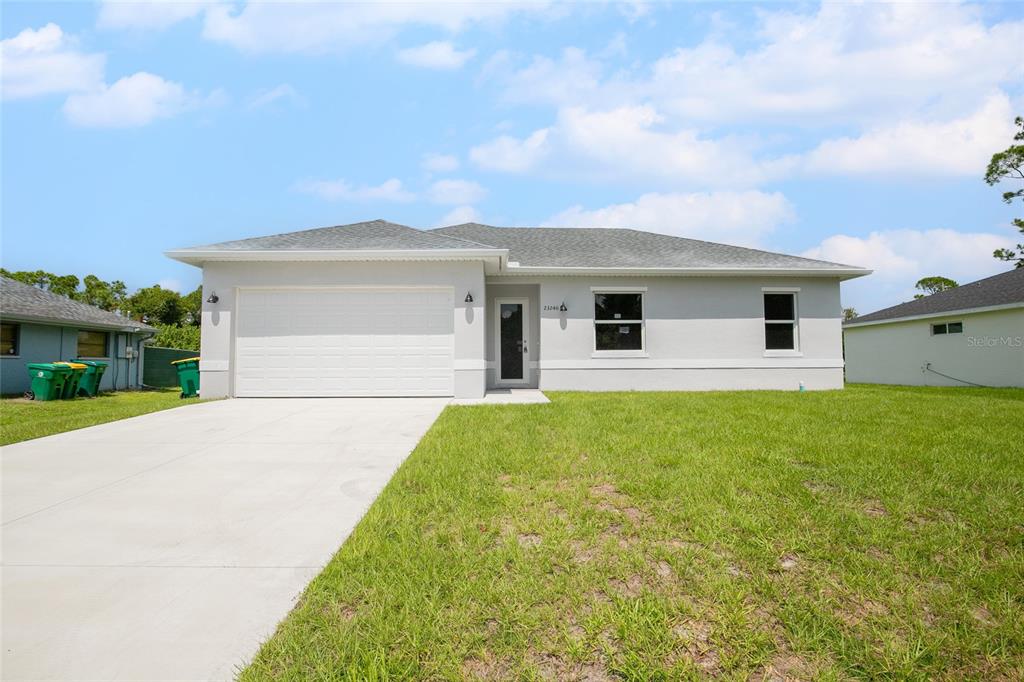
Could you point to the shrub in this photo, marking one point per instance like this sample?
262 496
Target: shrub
171 336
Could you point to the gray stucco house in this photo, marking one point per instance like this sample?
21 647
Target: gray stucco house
381 309
38 326
972 334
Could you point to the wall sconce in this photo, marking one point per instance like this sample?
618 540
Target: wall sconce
469 297
562 308
213 298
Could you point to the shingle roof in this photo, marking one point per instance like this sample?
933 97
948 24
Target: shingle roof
20 301
1004 289
622 248
551 247
366 236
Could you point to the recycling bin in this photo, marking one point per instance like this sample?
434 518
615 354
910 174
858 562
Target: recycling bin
188 376
70 389
47 380
89 382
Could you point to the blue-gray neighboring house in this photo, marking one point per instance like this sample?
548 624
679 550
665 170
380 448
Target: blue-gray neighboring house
38 326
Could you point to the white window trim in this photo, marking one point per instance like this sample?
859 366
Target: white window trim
795 351
642 352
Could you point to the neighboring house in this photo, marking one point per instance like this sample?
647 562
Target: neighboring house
377 308
973 334
38 326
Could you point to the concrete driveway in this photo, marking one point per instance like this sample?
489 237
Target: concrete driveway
168 546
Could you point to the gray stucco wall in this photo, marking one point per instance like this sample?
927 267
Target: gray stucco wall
48 343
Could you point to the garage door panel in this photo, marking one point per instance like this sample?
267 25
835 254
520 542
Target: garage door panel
344 342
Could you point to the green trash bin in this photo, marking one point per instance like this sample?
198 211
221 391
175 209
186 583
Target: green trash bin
89 382
70 389
47 380
188 376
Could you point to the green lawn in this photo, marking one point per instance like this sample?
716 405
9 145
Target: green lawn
876 532
22 419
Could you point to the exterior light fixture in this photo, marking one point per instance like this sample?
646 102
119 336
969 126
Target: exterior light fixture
469 297
213 298
562 308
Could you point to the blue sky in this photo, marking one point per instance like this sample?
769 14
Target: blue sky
855 133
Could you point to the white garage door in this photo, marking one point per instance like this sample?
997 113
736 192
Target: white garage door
344 342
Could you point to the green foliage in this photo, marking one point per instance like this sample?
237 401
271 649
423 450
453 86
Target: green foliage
106 295
1009 164
62 285
849 313
933 285
171 336
155 305
192 307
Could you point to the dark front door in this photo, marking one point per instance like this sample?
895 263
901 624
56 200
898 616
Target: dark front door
513 346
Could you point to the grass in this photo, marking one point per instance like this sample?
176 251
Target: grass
22 419
872 533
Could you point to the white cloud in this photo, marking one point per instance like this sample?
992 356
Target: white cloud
156 14
341 190
333 27
439 54
733 217
439 163
280 93
132 101
901 257
456 192
44 61
571 79
507 153
459 215
634 145
958 147
841 63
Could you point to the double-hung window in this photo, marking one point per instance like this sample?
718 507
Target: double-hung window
8 339
619 321
92 344
780 321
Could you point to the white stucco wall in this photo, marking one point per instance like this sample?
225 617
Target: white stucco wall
702 333
990 351
223 278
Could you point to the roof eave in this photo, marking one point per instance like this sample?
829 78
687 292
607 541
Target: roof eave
928 316
197 257
128 326
839 273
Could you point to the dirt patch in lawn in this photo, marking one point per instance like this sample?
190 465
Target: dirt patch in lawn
485 669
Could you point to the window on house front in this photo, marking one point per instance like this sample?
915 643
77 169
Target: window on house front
948 328
618 321
8 339
780 321
92 344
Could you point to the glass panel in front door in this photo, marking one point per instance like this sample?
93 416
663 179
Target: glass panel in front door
512 350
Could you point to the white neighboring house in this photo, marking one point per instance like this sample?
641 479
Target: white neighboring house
379 309
973 334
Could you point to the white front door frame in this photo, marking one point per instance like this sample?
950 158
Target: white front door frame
525 302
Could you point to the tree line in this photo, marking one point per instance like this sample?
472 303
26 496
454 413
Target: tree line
176 316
